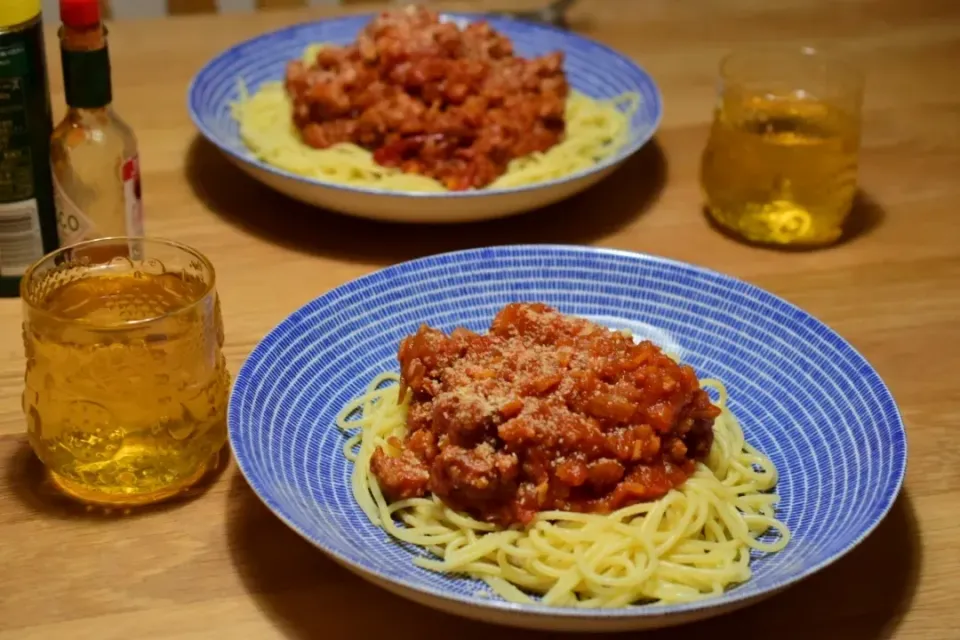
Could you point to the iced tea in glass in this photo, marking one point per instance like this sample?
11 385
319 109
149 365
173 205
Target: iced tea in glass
780 166
126 386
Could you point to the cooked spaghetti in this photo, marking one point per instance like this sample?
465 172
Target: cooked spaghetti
417 104
565 494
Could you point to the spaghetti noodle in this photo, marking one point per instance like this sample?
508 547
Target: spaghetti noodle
694 542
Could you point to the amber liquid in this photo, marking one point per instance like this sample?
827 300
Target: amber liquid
781 170
123 409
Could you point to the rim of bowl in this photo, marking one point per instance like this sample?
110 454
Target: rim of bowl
620 156
536 609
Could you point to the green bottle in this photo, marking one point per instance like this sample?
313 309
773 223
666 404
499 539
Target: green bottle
28 219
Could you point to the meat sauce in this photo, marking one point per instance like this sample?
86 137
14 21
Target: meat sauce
429 98
545 411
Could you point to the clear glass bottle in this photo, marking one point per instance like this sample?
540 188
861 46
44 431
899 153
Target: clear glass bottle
96 171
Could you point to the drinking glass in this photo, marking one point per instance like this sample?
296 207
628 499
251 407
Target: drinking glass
126 385
780 166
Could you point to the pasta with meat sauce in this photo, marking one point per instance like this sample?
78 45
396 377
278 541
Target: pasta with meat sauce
419 104
552 457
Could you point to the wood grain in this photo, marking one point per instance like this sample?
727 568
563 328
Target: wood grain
221 565
279 4
177 7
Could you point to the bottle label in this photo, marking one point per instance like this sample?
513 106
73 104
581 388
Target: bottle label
20 241
73 224
132 197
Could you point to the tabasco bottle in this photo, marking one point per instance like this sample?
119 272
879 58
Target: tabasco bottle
28 226
96 172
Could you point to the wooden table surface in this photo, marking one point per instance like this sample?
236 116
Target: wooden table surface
222 565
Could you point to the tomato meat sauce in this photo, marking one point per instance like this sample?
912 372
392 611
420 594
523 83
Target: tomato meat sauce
546 411
430 98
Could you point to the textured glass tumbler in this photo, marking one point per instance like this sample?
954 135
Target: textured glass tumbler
126 385
780 166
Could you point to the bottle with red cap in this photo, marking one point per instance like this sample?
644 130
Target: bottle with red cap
96 172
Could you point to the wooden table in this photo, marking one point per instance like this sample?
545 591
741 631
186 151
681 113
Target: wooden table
223 566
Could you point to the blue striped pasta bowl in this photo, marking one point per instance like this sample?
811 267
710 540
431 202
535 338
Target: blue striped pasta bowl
239 103
586 440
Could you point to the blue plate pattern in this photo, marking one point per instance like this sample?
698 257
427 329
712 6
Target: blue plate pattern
592 68
804 396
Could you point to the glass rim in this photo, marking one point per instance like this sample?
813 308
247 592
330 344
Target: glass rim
836 60
208 288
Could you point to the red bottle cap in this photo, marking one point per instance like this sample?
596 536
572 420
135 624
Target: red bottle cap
80 14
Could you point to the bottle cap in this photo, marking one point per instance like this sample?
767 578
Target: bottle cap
14 12
80 14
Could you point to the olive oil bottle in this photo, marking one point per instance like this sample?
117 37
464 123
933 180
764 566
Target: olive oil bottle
28 223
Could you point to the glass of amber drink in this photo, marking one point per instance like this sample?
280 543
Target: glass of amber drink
126 385
780 166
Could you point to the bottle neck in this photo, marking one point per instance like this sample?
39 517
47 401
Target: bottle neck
86 67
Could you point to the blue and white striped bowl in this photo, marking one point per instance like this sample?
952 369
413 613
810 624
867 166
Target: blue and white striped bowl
804 396
591 68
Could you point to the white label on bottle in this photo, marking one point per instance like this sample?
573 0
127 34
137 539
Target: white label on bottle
132 199
73 225
20 241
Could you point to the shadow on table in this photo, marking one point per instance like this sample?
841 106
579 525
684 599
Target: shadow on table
25 479
307 595
866 215
592 215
